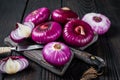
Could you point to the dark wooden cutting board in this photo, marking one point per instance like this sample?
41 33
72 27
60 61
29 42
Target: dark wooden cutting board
36 56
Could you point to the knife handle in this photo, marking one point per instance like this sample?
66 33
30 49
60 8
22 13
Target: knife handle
89 58
5 50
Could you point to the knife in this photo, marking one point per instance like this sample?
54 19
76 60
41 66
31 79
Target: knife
82 55
89 58
19 48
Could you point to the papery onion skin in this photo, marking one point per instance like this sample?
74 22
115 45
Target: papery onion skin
56 53
23 63
38 16
99 22
73 38
17 35
63 15
46 32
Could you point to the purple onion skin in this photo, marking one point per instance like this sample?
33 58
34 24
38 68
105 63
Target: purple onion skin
99 22
38 16
56 57
46 32
22 61
74 39
63 16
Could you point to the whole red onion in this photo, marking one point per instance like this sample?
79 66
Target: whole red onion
13 64
21 32
63 15
56 53
77 33
46 32
38 16
99 22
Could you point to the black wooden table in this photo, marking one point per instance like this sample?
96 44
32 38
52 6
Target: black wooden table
107 46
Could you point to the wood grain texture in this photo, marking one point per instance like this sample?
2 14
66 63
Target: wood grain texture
35 4
81 7
111 40
10 13
107 46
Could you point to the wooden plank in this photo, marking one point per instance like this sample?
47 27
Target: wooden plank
45 74
10 13
112 39
35 4
107 46
32 5
81 7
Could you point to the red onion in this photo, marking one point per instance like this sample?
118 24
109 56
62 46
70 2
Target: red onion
38 16
56 53
77 33
63 15
99 23
46 32
13 64
21 32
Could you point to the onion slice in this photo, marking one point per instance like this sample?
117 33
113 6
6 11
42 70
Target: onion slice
77 33
99 22
56 53
13 64
21 32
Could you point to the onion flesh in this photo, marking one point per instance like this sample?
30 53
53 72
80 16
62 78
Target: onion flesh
99 22
22 32
56 53
13 64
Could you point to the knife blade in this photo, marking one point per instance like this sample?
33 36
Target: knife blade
20 48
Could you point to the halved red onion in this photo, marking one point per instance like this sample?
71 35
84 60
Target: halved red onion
38 16
56 53
99 22
21 32
77 33
13 64
63 15
46 32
